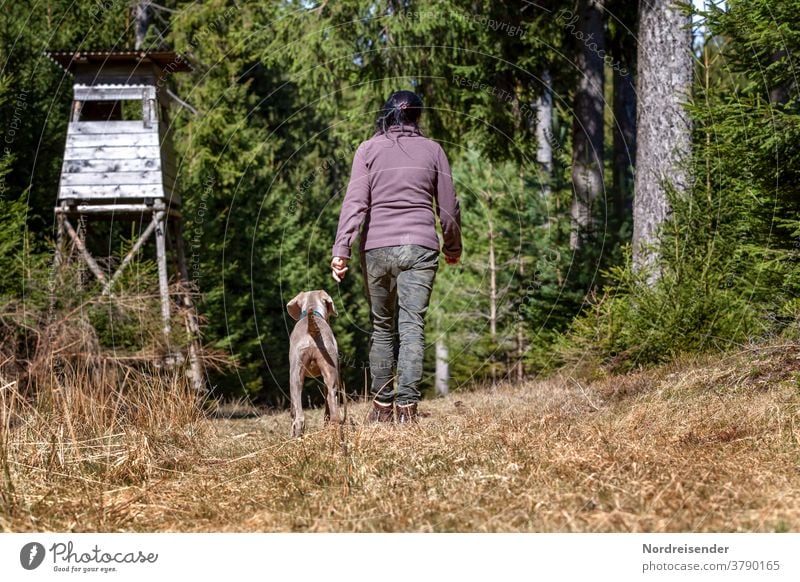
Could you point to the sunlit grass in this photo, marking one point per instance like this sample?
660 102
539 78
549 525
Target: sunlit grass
703 444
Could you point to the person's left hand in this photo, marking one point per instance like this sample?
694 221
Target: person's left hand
452 259
339 268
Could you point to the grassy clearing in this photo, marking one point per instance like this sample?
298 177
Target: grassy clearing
703 444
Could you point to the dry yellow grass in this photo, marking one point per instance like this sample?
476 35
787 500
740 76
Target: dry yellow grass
704 444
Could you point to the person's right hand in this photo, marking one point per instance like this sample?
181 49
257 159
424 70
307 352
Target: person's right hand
338 268
452 259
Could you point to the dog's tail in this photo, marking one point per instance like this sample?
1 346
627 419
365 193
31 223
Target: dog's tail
313 324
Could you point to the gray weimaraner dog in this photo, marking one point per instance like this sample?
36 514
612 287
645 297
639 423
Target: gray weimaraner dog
313 352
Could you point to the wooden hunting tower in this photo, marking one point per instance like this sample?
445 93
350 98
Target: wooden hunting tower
119 164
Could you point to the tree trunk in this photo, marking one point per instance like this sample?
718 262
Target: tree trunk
142 21
442 367
587 126
663 125
520 367
544 134
780 94
624 127
492 291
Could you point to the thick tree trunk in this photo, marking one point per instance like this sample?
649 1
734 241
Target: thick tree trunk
544 134
663 125
624 128
587 126
442 383
141 15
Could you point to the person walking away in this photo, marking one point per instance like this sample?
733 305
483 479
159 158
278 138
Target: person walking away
400 182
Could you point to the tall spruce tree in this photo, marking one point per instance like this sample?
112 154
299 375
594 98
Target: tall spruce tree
588 36
663 125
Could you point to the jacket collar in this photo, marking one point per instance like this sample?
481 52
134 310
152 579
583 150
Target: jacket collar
403 129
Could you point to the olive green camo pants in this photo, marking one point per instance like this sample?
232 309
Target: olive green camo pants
399 281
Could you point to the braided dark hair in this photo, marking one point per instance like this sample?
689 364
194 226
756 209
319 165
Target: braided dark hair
402 108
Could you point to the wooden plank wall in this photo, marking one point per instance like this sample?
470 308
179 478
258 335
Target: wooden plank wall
116 160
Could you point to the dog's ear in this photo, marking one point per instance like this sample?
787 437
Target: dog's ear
329 303
295 306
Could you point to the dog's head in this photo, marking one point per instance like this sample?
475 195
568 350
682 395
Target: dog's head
311 301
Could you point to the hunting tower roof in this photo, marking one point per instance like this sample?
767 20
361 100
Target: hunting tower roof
81 61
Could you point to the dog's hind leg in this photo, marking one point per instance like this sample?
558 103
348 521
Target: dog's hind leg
296 393
331 376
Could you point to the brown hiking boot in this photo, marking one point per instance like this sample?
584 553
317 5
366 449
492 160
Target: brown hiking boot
407 413
380 413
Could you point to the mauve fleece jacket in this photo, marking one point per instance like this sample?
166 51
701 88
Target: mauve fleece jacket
396 181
